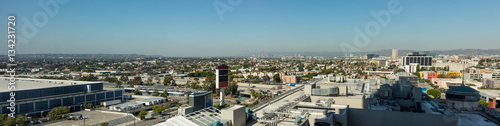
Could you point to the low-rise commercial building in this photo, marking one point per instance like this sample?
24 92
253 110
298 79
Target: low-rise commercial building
36 97
491 83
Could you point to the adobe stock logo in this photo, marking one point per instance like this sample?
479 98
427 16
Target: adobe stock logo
372 29
221 7
30 28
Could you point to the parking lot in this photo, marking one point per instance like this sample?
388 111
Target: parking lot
94 117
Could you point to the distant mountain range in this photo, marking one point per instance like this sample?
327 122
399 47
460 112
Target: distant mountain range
78 56
385 52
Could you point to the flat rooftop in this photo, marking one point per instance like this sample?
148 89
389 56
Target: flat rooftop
473 120
204 117
491 93
28 83
94 117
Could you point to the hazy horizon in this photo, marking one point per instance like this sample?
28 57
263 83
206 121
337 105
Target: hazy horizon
183 28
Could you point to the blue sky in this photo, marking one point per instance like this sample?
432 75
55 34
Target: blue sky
193 28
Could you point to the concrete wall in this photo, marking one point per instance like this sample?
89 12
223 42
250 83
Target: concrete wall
361 117
308 88
343 88
352 101
236 114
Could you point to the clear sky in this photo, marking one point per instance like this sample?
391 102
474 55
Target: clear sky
194 28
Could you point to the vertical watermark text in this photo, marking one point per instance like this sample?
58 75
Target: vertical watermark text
11 66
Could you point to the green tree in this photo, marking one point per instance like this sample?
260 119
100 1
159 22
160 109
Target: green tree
434 92
187 99
57 113
209 83
156 93
9 121
441 76
442 90
21 120
301 68
118 84
142 114
400 70
88 78
104 124
167 81
150 79
136 81
232 88
2 118
137 92
164 94
88 106
482 102
124 78
159 110
277 78
194 85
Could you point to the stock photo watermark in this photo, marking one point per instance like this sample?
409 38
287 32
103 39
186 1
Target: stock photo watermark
221 7
39 19
382 18
11 66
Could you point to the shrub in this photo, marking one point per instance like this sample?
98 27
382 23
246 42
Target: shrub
137 92
104 124
482 102
435 93
57 113
142 114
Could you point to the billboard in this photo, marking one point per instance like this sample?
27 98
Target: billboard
221 76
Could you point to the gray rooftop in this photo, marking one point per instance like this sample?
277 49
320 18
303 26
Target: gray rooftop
491 93
204 117
27 83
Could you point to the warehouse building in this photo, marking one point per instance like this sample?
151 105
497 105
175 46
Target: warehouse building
36 97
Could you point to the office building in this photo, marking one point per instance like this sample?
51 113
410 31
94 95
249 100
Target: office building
411 68
371 56
290 79
491 83
415 57
394 54
200 100
36 97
